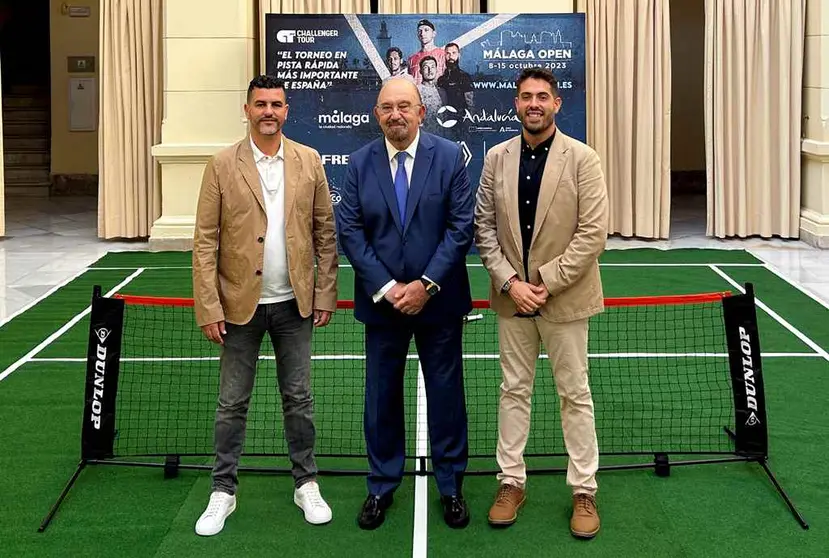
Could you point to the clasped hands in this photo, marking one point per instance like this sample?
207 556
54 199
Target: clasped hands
528 297
408 298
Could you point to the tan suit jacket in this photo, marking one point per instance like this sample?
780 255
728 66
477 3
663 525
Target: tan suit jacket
570 229
231 221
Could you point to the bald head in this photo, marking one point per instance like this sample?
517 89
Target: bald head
398 86
399 111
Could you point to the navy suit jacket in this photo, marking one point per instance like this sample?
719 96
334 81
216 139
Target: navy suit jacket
433 240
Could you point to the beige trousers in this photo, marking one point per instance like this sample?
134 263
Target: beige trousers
566 345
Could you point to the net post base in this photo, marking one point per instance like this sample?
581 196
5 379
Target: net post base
48 519
171 466
661 465
798 517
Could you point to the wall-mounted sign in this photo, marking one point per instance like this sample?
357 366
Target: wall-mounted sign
80 64
75 11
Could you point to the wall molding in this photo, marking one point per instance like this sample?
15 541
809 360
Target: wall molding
814 228
815 149
177 153
814 217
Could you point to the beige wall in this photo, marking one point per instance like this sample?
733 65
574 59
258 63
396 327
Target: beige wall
814 222
687 85
72 152
209 61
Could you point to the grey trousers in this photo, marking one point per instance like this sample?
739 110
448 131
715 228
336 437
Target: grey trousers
290 334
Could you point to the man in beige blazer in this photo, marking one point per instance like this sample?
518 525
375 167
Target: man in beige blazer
264 212
540 226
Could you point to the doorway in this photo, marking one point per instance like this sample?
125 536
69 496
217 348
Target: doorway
688 166
26 77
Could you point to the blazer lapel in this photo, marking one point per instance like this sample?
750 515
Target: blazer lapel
382 168
553 169
512 160
247 166
293 170
420 172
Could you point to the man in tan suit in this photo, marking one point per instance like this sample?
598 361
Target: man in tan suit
264 212
540 226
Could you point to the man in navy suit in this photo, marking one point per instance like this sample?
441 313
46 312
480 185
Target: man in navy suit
405 223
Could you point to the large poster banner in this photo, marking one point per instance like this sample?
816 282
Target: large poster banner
465 67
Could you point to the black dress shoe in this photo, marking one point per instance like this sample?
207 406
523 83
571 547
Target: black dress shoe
455 511
373 512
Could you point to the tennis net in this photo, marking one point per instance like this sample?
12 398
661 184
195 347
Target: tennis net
664 378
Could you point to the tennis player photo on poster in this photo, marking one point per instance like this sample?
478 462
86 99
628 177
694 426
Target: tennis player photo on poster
464 66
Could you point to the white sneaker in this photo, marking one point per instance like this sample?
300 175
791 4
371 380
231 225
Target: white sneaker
212 521
308 498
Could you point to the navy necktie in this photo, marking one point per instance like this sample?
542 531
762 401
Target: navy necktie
401 186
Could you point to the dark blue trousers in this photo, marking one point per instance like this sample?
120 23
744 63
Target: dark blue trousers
439 348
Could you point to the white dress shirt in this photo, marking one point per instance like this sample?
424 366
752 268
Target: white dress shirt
276 285
392 152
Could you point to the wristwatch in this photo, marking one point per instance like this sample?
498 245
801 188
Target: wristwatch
432 288
508 284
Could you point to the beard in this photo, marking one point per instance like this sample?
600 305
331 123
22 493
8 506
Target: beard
268 127
537 126
397 130
451 64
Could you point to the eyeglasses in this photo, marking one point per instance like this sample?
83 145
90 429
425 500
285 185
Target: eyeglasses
403 108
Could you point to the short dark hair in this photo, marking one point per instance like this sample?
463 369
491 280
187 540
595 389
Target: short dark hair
265 81
537 72
395 49
452 44
426 59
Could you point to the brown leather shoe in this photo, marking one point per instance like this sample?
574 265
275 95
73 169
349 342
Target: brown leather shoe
508 500
585 521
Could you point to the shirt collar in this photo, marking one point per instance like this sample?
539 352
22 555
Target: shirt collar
258 156
411 150
525 147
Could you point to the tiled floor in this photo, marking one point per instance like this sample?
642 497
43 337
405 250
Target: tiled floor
49 241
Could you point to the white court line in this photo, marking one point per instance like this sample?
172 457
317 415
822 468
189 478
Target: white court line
480 356
347 266
421 509
620 264
66 327
760 304
51 291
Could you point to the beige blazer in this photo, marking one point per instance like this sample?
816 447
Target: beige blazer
228 243
569 234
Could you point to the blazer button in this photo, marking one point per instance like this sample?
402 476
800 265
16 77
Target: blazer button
258 272
261 240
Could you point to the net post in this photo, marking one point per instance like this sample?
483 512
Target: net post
102 365
750 432
746 367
